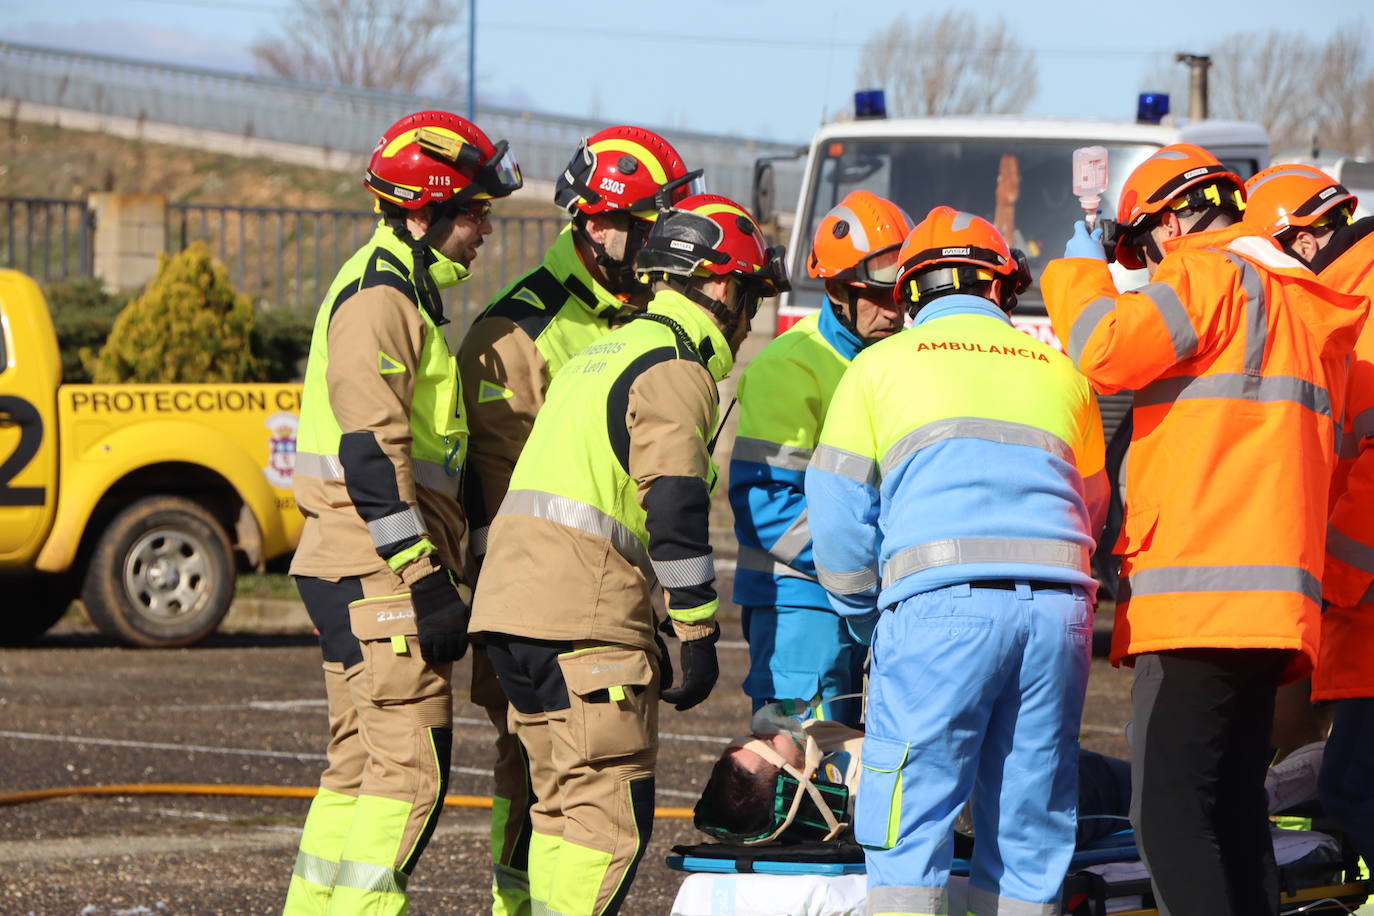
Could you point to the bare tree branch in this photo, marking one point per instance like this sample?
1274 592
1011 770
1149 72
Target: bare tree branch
380 44
949 63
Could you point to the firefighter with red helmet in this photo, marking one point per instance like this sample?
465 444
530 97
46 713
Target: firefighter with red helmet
1236 355
798 646
609 502
613 187
379 453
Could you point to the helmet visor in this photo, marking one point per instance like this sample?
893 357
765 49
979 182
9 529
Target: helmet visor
500 174
880 268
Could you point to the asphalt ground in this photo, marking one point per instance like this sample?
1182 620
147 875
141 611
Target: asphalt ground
248 708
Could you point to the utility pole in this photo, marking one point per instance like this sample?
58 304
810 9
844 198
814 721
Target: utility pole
472 60
1198 65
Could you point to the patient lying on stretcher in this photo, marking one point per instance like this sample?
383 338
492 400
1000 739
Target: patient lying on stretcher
794 780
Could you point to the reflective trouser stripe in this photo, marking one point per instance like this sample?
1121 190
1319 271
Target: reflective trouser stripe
317 862
908 901
1001 431
756 560
952 551
368 879
1238 386
984 901
364 876
1168 580
848 583
846 464
773 454
583 517
398 526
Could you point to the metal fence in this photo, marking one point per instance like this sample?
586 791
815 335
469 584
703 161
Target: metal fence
337 117
45 238
280 257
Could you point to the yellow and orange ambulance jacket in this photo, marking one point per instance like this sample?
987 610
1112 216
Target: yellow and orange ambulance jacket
1236 353
1346 666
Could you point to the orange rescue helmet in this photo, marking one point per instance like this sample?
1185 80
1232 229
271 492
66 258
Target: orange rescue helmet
1283 198
951 251
438 157
852 238
1180 176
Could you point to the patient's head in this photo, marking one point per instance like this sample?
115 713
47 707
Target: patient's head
740 789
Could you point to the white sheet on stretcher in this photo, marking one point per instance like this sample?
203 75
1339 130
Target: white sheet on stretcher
704 894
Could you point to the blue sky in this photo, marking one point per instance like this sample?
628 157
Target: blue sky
765 68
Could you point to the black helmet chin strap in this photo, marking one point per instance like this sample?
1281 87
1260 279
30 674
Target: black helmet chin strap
619 271
430 299
727 316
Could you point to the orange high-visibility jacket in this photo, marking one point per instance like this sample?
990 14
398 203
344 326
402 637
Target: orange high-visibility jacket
1236 354
1346 666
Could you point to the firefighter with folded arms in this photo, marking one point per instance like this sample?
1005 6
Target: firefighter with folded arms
956 496
379 452
609 501
1236 354
613 187
1311 215
798 645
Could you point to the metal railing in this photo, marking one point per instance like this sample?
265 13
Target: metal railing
46 238
288 257
337 117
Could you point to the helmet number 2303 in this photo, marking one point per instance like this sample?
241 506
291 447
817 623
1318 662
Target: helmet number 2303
610 184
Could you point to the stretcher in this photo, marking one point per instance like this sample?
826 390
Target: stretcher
1319 875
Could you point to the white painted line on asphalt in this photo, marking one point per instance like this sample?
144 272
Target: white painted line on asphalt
161 746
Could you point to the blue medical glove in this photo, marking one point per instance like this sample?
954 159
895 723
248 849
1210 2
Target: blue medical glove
1083 245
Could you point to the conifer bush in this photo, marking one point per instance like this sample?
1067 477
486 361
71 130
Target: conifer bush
190 325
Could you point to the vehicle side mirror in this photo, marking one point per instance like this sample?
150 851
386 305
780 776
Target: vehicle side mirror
763 191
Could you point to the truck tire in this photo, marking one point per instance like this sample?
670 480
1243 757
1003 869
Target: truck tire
161 575
38 602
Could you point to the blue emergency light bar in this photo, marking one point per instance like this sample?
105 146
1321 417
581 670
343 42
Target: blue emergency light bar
1151 107
870 103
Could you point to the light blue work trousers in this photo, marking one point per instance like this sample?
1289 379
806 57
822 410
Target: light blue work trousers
974 690
804 653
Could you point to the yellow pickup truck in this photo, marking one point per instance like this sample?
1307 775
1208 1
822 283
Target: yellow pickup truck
142 500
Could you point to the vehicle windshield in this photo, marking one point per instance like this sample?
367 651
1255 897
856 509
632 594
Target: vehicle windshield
1021 186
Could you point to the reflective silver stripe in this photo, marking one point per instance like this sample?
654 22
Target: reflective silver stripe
985 901
366 877
314 869
849 583
794 540
761 451
1256 318
1235 385
509 879
1175 316
1170 580
432 476
478 540
1349 551
1001 431
325 467
900 899
1087 322
755 560
953 551
686 572
846 464
396 527
582 517
1363 424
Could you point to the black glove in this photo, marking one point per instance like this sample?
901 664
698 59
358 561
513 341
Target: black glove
441 618
697 658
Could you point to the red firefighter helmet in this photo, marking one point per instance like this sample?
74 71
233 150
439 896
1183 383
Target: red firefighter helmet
624 168
438 157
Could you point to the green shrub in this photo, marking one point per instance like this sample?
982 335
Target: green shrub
83 315
281 340
190 325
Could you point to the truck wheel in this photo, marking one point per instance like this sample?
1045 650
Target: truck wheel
162 574
39 602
